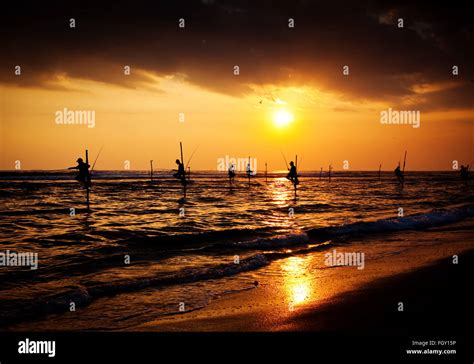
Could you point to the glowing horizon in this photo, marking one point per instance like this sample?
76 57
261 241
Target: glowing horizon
145 125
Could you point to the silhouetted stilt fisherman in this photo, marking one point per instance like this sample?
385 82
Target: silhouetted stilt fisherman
83 175
293 174
180 172
249 171
231 173
399 174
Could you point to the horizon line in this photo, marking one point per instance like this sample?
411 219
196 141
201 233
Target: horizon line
214 171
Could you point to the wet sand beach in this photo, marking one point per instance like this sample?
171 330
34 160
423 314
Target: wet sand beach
434 292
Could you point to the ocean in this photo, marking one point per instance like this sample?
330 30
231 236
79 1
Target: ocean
144 252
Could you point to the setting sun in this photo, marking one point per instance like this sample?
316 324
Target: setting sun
282 118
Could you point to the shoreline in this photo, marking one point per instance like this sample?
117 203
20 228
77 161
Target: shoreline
435 298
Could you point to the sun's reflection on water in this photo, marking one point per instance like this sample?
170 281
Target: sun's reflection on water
298 281
281 195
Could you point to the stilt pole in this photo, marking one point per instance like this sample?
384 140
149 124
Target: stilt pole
183 178
88 181
403 172
249 171
296 176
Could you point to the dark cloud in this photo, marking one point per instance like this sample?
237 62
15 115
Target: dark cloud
385 61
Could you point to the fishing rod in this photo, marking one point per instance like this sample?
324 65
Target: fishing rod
192 154
298 164
96 158
88 182
403 171
404 161
286 162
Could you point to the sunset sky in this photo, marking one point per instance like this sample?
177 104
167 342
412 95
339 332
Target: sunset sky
284 73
